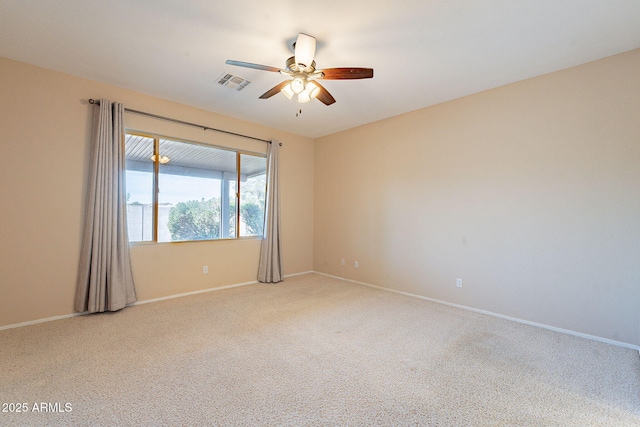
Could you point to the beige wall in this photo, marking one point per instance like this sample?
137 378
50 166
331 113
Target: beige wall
45 126
528 192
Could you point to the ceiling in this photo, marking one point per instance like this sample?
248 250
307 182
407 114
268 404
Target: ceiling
189 159
424 52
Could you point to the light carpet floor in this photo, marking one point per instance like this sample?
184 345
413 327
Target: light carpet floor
311 351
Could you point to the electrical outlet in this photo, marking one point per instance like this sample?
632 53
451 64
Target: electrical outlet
459 282
342 262
205 269
355 264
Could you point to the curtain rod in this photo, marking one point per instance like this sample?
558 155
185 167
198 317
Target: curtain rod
205 128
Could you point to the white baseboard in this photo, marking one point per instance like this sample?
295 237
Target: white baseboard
186 294
489 313
47 319
66 316
299 274
202 291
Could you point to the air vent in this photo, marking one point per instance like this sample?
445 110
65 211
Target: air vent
233 82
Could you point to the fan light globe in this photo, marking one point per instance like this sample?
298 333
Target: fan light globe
288 91
303 97
312 89
297 85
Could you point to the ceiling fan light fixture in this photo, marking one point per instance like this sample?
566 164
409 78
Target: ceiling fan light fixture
163 160
297 85
301 70
304 97
312 89
287 91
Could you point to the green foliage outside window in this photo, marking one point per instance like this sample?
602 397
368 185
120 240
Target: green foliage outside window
200 219
195 220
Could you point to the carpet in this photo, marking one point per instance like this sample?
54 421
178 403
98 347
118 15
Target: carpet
310 351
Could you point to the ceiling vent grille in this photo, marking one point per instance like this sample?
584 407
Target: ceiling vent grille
233 82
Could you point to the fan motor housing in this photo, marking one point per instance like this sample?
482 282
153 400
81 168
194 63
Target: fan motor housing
293 67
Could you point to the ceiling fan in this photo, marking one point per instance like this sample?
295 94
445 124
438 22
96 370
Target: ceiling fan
304 76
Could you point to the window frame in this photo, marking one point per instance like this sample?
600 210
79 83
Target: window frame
155 190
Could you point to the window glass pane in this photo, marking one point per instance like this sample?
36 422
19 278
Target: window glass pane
197 191
193 186
252 193
139 184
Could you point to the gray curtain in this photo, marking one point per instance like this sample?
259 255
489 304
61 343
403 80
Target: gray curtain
105 280
270 267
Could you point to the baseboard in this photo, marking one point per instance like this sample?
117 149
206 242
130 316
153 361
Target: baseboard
299 274
489 313
47 319
202 291
186 294
66 316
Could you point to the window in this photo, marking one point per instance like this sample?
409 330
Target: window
183 191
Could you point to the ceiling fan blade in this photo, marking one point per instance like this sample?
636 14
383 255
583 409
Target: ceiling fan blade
347 73
254 66
274 90
305 50
324 96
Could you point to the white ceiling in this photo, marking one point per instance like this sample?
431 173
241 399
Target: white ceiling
423 52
